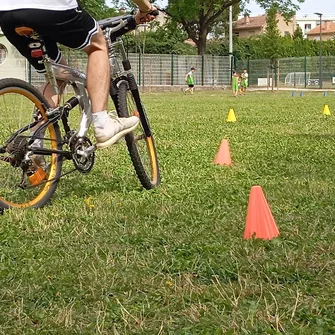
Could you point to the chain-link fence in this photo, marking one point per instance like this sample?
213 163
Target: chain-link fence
161 70
169 70
303 72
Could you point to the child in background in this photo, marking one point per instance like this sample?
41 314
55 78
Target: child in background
244 81
234 83
189 81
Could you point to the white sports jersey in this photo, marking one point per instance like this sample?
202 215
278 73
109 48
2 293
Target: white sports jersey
39 4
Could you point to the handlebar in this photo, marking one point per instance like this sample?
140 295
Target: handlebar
120 25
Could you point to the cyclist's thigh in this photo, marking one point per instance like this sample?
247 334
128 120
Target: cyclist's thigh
73 28
9 21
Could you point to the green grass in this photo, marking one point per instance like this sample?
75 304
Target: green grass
172 260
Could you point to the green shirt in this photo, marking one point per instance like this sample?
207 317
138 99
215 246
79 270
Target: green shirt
234 81
190 78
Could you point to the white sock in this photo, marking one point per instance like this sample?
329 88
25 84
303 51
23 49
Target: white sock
99 119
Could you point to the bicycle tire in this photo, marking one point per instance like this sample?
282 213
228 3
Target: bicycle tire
129 104
20 96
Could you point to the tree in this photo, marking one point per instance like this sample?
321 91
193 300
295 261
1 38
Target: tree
163 40
98 9
271 38
298 34
198 17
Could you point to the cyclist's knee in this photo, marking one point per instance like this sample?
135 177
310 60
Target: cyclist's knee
98 42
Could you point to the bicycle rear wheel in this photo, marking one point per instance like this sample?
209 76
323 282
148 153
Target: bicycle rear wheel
26 181
140 142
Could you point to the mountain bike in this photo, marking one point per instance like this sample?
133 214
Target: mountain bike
35 139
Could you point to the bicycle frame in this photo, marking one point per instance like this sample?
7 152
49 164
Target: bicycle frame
23 151
77 79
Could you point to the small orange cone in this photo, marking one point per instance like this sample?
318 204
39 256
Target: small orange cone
223 155
260 222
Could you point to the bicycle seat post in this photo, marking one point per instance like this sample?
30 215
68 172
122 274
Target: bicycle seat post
38 50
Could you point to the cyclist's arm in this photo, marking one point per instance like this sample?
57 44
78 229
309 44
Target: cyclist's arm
143 15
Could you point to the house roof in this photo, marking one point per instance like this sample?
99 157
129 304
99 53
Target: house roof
326 28
190 42
251 22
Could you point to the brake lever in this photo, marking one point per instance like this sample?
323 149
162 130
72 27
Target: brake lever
154 12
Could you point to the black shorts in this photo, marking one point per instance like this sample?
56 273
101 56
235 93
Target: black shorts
73 28
190 85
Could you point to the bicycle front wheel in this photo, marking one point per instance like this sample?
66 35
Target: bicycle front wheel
140 142
27 180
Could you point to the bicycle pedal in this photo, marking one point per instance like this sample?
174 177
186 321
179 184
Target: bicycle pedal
38 176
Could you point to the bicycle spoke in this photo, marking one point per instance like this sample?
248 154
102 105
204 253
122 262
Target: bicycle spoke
20 166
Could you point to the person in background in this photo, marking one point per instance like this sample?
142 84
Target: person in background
189 78
234 83
244 81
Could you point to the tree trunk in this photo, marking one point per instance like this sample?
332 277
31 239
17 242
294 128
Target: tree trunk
201 45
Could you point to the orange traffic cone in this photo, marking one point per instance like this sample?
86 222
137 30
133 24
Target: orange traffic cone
260 222
223 155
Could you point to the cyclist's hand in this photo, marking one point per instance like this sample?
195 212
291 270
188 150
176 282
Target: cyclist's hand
143 17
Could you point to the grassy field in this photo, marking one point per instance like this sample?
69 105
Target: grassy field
107 257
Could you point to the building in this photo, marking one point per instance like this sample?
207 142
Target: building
327 31
308 22
12 64
255 25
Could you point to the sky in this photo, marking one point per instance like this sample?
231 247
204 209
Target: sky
308 7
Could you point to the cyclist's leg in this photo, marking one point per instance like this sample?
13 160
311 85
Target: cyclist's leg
76 29
98 72
12 19
48 91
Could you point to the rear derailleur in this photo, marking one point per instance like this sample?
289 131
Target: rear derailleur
33 166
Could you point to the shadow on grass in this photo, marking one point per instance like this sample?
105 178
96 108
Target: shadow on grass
95 184
315 136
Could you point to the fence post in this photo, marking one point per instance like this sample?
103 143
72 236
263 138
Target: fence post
139 68
274 71
248 70
172 69
232 68
29 73
278 74
213 72
202 69
305 69
160 72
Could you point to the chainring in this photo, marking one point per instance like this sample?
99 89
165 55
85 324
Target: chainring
81 163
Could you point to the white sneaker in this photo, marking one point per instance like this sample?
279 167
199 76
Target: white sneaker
114 129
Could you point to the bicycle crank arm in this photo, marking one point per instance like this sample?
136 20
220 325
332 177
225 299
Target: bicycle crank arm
87 152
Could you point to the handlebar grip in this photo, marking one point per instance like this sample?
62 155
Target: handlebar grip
154 12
